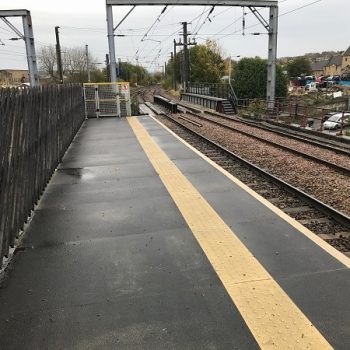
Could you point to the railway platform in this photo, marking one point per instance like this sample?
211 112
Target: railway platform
141 242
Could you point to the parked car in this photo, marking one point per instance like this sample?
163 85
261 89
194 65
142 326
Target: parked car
335 121
312 87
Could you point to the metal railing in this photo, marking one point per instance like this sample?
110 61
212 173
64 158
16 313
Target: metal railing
209 89
36 127
224 91
296 111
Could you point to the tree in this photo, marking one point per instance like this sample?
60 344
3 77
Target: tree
206 64
75 65
250 79
299 66
99 75
47 63
73 62
135 74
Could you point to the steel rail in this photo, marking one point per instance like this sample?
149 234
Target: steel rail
331 165
322 207
326 145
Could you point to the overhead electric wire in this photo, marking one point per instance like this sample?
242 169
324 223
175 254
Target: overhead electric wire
152 34
201 15
238 32
280 15
205 20
299 8
157 21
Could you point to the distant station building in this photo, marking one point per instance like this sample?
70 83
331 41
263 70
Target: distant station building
13 77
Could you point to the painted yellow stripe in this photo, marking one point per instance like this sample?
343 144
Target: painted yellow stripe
274 320
302 229
111 83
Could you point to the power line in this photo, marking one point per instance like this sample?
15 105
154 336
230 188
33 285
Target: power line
205 20
280 15
200 18
299 8
154 25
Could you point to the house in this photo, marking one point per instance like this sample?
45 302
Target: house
334 65
318 67
13 77
346 61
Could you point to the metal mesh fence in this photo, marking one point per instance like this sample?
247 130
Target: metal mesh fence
107 100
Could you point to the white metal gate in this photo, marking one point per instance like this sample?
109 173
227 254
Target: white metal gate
107 100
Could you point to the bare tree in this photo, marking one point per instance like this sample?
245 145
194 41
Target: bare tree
73 61
74 64
47 63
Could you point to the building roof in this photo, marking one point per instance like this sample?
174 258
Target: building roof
14 70
347 52
336 60
318 65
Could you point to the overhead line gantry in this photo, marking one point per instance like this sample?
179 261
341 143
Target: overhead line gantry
271 26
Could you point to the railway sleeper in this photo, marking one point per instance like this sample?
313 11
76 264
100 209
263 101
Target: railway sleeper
294 210
308 216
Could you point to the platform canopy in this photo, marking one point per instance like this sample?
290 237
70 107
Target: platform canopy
255 3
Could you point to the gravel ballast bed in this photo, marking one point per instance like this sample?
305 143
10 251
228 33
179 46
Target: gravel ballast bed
315 151
315 179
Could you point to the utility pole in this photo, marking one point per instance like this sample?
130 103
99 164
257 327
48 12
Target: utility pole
107 68
59 55
173 73
87 62
186 60
174 65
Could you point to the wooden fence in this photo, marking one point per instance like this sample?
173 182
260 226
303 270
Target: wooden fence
36 127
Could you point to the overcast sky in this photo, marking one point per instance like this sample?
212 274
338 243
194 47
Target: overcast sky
324 25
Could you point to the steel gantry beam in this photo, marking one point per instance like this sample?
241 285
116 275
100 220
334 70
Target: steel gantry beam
271 26
257 3
28 38
272 58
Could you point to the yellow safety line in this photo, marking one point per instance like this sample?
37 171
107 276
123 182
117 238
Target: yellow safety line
272 317
114 83
302 229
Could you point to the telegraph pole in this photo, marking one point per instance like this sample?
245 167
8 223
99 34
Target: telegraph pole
87 62
119 67
107 68
174 66
173 73
186 62
59 55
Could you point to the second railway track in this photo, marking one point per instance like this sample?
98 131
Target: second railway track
339 162
324 180
327 222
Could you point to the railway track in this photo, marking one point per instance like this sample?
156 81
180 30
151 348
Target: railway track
325 221
320 179
341 162
309 139
325 143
